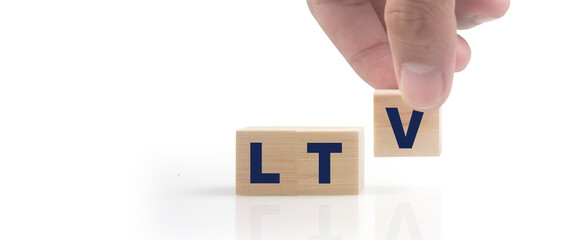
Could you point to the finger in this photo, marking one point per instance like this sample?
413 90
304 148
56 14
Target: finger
471 13
423 39
462 54
356 31
463 51
379 7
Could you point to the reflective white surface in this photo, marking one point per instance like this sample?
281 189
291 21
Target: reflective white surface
389 213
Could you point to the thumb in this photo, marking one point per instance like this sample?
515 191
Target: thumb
423 37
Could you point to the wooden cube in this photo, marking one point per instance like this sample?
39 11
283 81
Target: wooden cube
291 157
346 167
399 131
278 156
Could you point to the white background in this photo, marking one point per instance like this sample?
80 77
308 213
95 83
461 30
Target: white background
118 120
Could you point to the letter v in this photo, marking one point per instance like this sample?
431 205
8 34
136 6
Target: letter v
404 140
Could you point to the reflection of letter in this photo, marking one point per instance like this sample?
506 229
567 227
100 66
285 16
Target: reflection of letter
257 213
404 210
256 176
324 225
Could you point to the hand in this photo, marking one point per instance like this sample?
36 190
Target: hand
412 44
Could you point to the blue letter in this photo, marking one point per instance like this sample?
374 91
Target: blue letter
256 176
324 150
404 140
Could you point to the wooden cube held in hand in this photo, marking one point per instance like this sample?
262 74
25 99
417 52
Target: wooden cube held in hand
400 131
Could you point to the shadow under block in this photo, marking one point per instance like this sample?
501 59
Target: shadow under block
427 140
285 151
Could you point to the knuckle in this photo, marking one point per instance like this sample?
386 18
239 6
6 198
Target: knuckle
409 16
413 17
342 3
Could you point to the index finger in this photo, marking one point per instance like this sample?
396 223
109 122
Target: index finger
355 29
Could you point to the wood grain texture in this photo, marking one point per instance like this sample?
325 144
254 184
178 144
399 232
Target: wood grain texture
428 138
284 147
346 167
278 156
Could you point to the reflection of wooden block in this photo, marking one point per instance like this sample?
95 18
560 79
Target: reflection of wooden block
278 149
290 159
408 213
389 139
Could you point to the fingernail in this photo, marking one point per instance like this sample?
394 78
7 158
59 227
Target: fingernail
421 84
473 20
480 18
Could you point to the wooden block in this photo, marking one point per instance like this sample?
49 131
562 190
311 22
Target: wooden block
295 154
278 155
346 165
394 125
